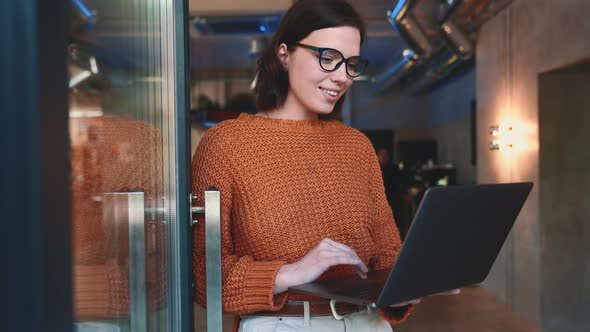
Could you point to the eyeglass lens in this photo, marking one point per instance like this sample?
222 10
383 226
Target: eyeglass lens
330 59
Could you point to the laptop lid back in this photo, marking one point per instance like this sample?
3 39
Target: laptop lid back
454 239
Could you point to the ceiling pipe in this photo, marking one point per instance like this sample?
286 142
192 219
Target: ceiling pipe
396 72
445 63
409 28
457 40
452 9
456 50
419 46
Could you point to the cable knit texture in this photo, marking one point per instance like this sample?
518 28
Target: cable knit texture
286 185
117 154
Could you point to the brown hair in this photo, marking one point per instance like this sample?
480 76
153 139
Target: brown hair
304 17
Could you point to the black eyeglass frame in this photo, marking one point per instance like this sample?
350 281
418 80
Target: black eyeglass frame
344 60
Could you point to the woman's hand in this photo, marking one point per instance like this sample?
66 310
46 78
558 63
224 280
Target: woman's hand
318 260
416 301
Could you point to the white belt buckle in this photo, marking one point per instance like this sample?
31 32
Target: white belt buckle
334 313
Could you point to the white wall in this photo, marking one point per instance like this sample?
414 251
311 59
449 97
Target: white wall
529 37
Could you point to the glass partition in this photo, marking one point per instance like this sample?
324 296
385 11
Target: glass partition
124 115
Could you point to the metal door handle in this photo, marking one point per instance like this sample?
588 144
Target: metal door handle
130 208
212 210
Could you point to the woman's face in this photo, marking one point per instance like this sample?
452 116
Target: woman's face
312 90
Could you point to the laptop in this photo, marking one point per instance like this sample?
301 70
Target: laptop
453 241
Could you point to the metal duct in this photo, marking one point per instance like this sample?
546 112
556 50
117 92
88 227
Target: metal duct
397 71
407 28
414 36
442 65
457 40
456 49
452 8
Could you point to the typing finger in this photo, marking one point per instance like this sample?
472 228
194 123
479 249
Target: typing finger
339 245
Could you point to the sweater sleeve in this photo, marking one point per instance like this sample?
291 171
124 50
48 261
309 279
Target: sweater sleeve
386 239
247 285
101 291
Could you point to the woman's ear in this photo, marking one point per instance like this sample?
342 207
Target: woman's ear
283 55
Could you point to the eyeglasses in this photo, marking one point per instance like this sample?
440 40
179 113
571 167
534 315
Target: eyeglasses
331 59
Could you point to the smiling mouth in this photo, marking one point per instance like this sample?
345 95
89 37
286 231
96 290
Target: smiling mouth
330 93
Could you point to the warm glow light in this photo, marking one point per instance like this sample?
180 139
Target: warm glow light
503 137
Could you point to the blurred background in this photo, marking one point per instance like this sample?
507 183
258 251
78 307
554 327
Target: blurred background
457 92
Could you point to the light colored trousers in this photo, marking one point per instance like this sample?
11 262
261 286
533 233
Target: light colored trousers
357 322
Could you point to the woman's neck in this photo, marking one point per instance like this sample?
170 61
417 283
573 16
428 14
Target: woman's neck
291 110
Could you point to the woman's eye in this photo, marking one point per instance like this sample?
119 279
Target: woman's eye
326 59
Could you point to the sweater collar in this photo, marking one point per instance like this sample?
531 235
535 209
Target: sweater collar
290 124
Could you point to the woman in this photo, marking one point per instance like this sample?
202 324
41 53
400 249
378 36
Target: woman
302 194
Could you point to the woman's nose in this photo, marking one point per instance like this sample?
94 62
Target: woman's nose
339 75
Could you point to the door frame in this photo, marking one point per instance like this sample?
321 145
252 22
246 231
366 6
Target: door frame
35 192
182 280
35 177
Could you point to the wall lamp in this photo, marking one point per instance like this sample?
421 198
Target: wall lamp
501 137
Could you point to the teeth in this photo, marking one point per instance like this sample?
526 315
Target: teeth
330 92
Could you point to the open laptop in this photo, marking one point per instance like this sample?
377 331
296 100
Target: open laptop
454 239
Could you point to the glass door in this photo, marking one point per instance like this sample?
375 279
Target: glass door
129 161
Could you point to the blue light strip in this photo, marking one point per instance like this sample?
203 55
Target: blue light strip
399 66
263 26
398 8
398 13
84 10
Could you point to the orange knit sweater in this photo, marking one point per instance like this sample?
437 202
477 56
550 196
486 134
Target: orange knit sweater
286 185
117 154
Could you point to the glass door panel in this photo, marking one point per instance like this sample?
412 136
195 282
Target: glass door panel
123 127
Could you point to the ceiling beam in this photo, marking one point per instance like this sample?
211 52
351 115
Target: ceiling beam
231 7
